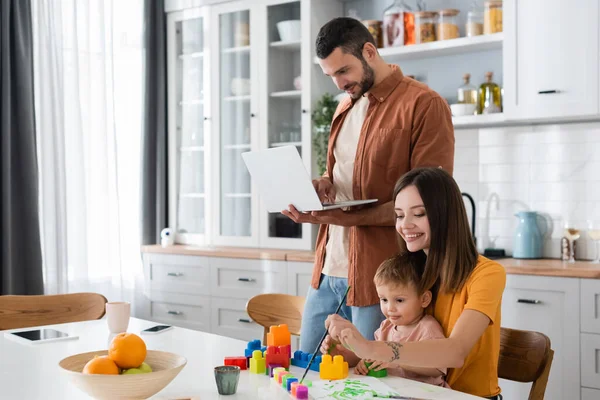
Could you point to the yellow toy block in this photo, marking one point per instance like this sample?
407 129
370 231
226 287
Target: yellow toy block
279 336
257 363
338 369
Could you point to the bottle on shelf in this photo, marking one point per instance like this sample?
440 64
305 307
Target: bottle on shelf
398 25
467 93
490 97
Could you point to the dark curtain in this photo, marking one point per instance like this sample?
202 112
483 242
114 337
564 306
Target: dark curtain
154 140
21 254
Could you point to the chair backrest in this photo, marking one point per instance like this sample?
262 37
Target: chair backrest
275 309
27 311
525 356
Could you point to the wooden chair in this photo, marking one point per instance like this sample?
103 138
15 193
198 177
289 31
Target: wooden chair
525 356
275 309
27 311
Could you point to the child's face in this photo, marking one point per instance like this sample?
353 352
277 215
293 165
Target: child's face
411 219
401 304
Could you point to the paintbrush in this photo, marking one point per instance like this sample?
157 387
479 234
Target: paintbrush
323 338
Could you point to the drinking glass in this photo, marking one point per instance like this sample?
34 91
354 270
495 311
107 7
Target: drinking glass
572 233
594 234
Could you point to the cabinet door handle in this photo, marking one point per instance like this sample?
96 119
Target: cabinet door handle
244 320
529 301
304 111
549 91
246 279
172 312
252 115
174 274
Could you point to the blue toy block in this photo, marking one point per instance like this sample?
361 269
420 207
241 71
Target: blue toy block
302 359
252 345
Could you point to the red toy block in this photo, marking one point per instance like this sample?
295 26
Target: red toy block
278 355
239 361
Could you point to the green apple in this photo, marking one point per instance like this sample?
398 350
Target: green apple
142 369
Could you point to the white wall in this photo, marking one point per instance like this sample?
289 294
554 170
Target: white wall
553 169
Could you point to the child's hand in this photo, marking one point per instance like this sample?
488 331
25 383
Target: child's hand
378 365
361 368
329 346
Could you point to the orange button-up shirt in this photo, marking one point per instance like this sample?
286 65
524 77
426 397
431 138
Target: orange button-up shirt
407 125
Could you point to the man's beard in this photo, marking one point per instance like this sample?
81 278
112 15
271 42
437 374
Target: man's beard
367 81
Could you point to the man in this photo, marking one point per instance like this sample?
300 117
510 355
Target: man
387 125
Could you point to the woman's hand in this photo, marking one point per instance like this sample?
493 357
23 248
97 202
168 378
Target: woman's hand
335 325
351 339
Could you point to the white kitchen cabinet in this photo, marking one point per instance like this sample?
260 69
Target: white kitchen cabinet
590 306
299 277
550 306
590 394
243 279
550 59
590 360
228 317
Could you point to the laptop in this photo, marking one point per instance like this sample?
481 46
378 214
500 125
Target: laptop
282 179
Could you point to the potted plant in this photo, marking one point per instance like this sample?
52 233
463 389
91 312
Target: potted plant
321 118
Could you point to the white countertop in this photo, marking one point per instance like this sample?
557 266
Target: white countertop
31 371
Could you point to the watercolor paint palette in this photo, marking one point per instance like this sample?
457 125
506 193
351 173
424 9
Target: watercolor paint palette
357 388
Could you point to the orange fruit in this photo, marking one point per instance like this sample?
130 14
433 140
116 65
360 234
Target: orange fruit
127 350
101 365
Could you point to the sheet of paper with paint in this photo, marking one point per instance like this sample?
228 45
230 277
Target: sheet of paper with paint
357 388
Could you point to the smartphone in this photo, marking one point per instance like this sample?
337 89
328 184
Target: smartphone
41 335
157 329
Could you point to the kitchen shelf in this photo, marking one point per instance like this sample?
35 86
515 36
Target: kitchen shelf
288 46
243 146
442 48
237 98
289 94
191 148
197 54
237 195
479 120
279 144
233 50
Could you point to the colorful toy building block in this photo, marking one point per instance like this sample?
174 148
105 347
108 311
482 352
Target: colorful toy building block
277 371
289 383
279 335
282 376
285 379
301 359
301 392
257 363
278 355
377 374
271 369
241 362
338 369
251 346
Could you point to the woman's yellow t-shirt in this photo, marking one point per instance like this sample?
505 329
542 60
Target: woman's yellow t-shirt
482 292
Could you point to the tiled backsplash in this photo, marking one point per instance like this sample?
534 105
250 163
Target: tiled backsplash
552 169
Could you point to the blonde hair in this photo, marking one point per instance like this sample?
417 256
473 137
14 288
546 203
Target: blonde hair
404 269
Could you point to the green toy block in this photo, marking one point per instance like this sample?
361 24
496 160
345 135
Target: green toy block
377 374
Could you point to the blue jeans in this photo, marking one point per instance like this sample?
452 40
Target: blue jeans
323 301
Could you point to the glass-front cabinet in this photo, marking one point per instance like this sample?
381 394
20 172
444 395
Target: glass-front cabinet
237 83
188 141
236 129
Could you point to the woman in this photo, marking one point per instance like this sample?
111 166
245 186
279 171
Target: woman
431 217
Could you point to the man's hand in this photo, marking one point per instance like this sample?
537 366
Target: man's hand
332 217
325 190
